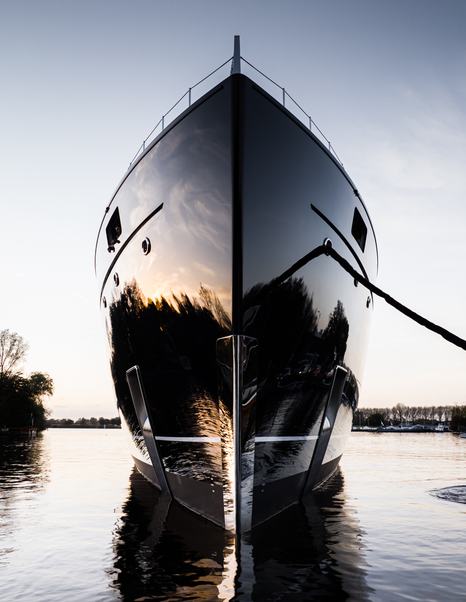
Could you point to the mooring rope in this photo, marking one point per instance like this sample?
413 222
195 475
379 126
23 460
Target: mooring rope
327 249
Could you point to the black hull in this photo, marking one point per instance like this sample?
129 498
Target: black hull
236 363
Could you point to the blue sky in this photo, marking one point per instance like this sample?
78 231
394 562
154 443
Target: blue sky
83 82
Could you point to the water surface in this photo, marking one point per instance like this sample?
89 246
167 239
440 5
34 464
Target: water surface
77 523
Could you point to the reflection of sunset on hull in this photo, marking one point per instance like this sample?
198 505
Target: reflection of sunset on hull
236 363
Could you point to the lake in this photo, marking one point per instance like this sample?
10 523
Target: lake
77 523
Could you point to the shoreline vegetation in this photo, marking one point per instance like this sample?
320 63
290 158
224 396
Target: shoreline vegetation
22 407
408 419
84 423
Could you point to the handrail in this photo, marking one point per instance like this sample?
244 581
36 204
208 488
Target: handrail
309 123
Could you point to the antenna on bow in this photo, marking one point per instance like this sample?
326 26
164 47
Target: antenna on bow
236 63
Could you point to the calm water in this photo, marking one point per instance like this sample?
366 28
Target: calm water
77 524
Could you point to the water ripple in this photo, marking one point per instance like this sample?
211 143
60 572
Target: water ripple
456 494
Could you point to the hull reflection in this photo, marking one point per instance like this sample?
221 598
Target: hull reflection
310 551
236 361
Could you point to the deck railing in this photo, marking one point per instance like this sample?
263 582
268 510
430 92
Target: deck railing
196 91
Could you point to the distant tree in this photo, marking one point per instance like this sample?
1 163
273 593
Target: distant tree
375 419
448 411
440 413
386 413
412 413
458 419
21 397
399 413
425 413
40 385
22 400
13 349
455 416
359 418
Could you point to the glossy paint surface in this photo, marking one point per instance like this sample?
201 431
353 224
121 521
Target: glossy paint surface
236 376
312 321
173 304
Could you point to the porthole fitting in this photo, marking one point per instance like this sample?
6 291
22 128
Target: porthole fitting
146 246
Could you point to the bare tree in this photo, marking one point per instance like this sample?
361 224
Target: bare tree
412 413
399 412
425 413
448 413
440 413
13 348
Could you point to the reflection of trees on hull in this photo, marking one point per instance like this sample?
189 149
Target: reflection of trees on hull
310 551
296 365
173 341
296 359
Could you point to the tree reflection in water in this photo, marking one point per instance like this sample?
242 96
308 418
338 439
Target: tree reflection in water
23 471
312 551
164 551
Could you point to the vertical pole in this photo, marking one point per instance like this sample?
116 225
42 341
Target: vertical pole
310 123
236 63
163 119
189 96
283 90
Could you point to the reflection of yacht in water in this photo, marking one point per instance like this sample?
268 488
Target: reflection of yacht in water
236 356
307 552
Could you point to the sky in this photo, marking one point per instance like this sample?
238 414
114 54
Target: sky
81 83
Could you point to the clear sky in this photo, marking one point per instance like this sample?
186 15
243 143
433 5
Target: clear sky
81 83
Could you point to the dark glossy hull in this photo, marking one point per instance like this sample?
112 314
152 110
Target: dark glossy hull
236 373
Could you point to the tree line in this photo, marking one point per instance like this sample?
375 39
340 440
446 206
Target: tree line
21 397
84 423
454 416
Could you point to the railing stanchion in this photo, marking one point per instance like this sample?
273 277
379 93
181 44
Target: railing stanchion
236 68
